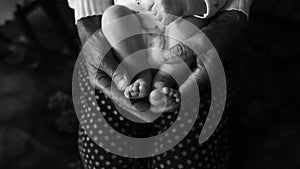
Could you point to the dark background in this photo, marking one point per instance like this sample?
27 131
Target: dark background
38 126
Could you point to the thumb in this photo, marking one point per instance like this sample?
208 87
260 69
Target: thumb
120 78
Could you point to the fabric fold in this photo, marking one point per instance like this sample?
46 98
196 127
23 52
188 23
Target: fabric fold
85 8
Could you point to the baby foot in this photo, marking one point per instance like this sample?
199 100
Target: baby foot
139 89
165 97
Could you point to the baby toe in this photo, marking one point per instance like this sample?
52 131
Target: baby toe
127 92
171 93
157 98
177 96
135 87
165 90
134 93
143 88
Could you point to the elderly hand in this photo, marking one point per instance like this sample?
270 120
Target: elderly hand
104 70
223 40
95 48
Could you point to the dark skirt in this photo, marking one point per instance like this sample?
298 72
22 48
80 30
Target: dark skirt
188 154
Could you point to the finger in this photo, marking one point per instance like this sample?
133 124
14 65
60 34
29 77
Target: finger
135 87
156 11
154 8
118 97
199 76
165 90
120 78
104 84
171 93
172 108
99 56
150 4
118 74
177 54
101 80
169 108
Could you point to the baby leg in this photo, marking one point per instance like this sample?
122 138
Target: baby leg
163 82
119 22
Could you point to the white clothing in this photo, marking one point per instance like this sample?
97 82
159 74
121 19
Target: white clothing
85 8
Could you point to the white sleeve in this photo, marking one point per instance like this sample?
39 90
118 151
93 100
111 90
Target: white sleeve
239 5
85 8
212 7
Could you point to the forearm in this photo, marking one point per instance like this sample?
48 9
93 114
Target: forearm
87 26
99 57
224 31
223 34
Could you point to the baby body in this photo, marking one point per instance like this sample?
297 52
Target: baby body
156 38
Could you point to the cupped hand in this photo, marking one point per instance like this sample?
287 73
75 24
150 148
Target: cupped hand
171 107
103 69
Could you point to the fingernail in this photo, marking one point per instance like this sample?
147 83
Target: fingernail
121 84
165 90
120 81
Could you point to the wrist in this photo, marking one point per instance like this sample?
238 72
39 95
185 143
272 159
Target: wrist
224 40
87 26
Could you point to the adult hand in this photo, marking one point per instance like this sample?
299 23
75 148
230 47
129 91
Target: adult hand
97 53
171 107
212 38
224 40
100 62
104 70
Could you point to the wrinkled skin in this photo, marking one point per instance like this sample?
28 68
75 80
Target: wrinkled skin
224 40
101 72
177 53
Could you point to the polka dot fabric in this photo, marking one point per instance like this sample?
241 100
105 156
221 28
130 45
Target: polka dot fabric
188 154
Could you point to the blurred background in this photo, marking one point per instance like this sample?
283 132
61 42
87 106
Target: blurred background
38 125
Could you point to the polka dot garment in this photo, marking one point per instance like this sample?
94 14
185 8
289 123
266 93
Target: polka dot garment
188 154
